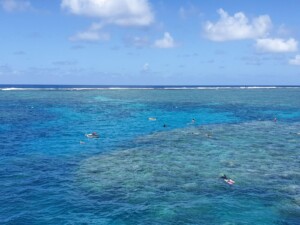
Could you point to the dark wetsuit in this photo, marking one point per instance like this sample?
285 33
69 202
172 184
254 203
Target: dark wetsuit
224 177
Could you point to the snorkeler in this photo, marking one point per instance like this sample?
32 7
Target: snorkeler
224 176
209 135
93 135
227 179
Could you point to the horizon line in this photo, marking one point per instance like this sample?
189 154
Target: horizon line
161 85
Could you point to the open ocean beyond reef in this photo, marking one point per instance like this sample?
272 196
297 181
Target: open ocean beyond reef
142 172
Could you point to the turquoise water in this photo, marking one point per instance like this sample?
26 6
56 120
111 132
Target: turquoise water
140 172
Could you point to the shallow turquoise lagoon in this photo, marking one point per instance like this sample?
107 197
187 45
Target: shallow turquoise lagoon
142 172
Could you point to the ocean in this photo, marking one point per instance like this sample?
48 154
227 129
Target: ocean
159 157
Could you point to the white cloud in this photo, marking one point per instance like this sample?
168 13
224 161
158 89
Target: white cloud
237 27
119 12
166 42
276 45
92 34
295 61
283 30
7 70
182 13
15 5
146 67
138 42
189 11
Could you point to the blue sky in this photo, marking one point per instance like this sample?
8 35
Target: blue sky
195 42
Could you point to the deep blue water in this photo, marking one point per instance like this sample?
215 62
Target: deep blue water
140 172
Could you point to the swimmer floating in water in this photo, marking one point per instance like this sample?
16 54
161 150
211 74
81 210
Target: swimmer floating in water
209 135
93 135
227 179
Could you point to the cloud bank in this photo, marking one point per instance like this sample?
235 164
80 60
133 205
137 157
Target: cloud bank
237 27
15 5
276 45
166 42
295 61
118 12
92 34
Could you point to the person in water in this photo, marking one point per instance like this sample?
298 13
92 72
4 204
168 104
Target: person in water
224 176
95 135
227 179
208 135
